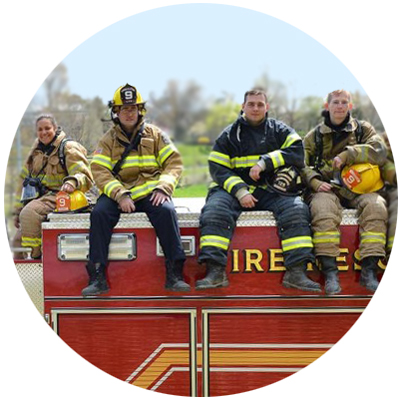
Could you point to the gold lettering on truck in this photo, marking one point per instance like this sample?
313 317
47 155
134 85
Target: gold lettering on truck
253 257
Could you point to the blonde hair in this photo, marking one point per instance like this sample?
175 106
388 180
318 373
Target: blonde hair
338 93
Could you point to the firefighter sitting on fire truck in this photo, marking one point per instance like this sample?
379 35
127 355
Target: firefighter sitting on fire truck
54 163
247 153
343 156
136 167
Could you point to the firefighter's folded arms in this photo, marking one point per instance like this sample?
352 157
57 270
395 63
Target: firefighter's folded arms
136 167
343 160
54 163
254 165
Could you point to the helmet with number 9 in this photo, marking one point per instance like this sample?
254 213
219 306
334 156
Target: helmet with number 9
362 178
127 95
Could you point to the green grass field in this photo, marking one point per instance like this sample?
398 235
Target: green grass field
191 191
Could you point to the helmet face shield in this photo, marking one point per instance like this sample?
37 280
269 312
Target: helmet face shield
31 189
29 192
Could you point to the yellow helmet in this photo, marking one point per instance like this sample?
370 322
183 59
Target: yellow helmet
362 178
126 95
71 202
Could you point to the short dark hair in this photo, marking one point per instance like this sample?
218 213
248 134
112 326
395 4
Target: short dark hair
256 92
49 117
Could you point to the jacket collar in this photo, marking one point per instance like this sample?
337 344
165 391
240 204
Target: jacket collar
55 145
120 134
350 127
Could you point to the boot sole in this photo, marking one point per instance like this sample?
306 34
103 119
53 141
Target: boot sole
171 289
292 286
223 284
96 294
332 293
367 287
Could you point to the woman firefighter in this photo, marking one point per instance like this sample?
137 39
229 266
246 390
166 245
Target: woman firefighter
54 163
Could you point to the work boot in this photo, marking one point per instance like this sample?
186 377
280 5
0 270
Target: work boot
97 280
174 279
295 277
369 268
215 277
330 270
91 271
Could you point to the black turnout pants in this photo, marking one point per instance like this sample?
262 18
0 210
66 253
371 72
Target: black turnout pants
105 216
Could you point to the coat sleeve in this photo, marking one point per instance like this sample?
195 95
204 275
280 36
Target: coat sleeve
170 162
371 150
221 169
102 167
308 173
79 173
290 151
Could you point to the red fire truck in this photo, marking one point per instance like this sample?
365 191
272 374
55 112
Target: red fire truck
198 343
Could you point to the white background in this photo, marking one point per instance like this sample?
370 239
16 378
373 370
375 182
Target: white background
36 36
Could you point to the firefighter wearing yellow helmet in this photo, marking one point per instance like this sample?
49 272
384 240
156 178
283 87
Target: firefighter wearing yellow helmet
136 167
343 160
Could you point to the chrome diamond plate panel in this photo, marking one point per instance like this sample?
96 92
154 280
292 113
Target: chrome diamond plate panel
188 211
31 275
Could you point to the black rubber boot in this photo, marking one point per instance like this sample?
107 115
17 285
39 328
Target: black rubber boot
296 278
215 278
330 270
369 268
97 280
174 279
91 271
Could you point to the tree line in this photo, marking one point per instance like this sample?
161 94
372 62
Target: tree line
181 110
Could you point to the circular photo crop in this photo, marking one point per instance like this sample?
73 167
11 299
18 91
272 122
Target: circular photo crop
201 200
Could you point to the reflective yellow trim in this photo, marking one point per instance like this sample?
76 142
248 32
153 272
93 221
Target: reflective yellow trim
138 161
326 237
220 158
297 243
76 167
214 241
165 152
245 162
110 186
143 190
290 139
231 182
27 241
24 173
54 180
104 161
169 179
277 158
390 242
373 237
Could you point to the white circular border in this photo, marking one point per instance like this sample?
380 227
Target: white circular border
361 34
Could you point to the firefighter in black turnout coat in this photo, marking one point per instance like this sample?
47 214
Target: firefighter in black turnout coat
252 165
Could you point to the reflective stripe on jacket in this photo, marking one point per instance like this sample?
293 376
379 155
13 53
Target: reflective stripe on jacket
155 164
54 175
371 149
240 146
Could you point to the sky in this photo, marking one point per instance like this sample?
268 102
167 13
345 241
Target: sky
37 35
223 48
